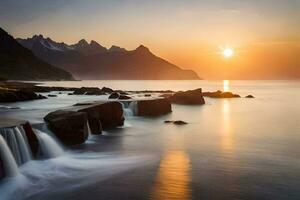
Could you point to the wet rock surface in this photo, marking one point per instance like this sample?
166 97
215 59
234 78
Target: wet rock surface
14 95
68 126
176 122
220 94
190 97
153 107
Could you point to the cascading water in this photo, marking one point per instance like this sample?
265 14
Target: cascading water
48 146
16 140
128 109
9 164
133 108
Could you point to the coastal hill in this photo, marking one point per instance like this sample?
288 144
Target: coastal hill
19 63
93 61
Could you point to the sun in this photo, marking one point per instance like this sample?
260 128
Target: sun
228 52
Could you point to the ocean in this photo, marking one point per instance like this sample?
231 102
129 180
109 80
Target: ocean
230 149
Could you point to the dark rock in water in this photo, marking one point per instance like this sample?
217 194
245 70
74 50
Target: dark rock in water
107 90
179 122
192 97
114 95
220 94
249 96
32 139
11 95
2 172
68 126
104 116
52 95
124 97
60 93
70 94
147 95
153 107
88 91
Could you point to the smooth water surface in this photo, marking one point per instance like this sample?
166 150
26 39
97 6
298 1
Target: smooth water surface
230 149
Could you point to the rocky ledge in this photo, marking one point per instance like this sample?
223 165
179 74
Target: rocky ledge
191 97
152 107
220 94
72 125
14 95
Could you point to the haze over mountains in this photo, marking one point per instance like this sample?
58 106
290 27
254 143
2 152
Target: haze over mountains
93 61
19 63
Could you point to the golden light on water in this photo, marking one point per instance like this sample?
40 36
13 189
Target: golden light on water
226 85
173 179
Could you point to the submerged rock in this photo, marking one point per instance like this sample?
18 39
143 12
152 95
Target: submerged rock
88 91
52 95
249 96
220 94
68 126
14 95
177 122
153 107
114 95
193 97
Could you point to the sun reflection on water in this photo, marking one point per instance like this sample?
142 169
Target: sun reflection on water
226 84
173 179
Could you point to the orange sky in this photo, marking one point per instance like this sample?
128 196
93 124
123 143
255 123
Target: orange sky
265 34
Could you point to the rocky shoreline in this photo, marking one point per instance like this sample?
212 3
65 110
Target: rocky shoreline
72 125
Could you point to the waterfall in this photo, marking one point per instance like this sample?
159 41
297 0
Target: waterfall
16 140
133 108
88 129
48 146
9 164
128 109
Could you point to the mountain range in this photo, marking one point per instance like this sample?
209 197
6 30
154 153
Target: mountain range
19 63
94 61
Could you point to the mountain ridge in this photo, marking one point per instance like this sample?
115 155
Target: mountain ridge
94 61
19 63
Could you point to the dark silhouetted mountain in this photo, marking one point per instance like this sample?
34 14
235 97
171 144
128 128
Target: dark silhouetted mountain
114 48
93 61
19 63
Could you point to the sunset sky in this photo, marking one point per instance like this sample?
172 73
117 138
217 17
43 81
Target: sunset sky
264 34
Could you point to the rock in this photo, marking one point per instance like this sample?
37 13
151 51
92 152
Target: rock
52 95
14 95
68 126
31 138
220 94
193 97
124 97
104 116
179 122
114 95
249 96
147 95
153 107
107 90
2 172
70 94
88 91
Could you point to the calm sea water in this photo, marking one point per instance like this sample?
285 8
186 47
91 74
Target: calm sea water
230 149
